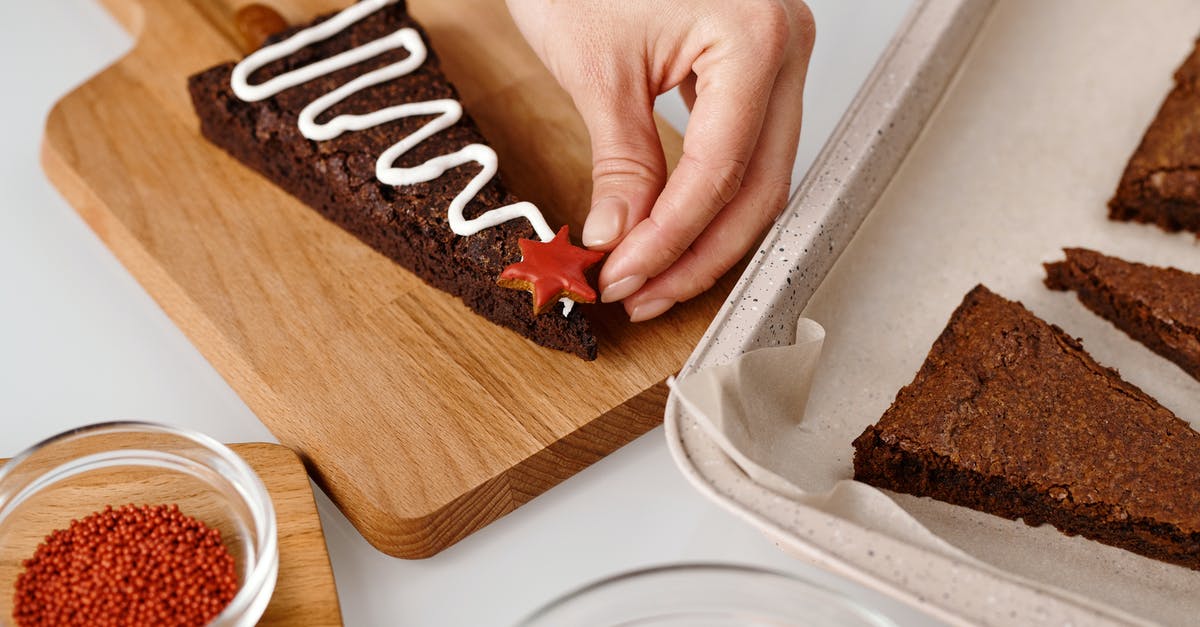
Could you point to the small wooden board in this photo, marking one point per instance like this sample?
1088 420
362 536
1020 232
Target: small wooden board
421 420
304 592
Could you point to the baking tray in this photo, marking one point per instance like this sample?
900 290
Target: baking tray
988 137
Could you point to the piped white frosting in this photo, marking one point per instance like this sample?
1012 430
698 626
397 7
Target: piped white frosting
448 112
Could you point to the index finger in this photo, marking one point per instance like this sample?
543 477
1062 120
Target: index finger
732 89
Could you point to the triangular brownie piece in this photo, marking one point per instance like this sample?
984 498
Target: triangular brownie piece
1161 184
1159 307
1010 416
339 177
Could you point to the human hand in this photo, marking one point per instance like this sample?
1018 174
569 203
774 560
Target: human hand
740 66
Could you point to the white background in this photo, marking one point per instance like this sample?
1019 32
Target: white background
81 342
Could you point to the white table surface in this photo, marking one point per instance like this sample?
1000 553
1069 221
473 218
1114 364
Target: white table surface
81 342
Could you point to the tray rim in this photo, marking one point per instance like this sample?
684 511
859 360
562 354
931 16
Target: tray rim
841 187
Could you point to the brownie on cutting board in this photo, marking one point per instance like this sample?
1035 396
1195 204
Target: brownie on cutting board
337 177
1159 307
1010 416
1161 183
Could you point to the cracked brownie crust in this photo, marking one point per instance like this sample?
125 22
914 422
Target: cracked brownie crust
337 177
1161 183
1159 307
1008 415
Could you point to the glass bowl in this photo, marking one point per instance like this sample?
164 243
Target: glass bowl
79 472
705 595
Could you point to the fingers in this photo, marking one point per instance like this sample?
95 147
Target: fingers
579 42
726 240
762 196
733 86
628 166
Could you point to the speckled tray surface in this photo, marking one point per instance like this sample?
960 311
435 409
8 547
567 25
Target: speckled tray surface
971 173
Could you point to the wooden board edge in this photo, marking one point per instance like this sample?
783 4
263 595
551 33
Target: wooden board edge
424 536
130 15
287 457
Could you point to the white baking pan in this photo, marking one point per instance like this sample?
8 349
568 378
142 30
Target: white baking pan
989 136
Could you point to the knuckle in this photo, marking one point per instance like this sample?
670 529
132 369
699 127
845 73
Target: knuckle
624 168
671 244
782 28
804 27
777 192
773 28
722 176
725 184
673 250
705 278
771 197
726 179
702 273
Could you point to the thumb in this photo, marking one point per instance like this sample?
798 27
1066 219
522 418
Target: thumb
628 167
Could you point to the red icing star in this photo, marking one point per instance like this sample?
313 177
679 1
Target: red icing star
551 271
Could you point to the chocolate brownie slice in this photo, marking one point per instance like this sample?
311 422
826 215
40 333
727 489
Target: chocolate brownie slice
1161 184
1010 416
1159 307
337 177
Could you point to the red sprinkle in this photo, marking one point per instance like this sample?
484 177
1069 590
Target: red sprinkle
148 565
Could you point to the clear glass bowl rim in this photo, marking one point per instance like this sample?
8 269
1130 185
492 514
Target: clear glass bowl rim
586 590
251 488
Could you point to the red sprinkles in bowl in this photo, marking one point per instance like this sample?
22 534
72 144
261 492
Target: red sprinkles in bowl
148 565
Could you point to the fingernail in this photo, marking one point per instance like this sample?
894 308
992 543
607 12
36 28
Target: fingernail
651 309
620 289
604 221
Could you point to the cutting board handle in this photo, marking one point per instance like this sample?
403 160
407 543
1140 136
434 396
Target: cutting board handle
255 22
243 22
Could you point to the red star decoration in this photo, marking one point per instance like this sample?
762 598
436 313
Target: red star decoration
551 271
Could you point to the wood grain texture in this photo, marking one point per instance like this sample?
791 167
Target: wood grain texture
422 421
304 592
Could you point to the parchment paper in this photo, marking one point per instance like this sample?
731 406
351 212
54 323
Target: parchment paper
1018 162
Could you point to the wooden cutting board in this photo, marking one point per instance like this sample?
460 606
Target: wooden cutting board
421 420
304 591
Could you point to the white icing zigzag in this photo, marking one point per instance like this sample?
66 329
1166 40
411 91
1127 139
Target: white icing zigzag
448 113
